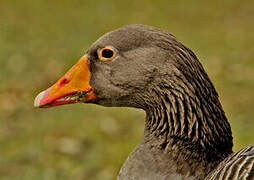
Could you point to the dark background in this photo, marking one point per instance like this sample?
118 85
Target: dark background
41 39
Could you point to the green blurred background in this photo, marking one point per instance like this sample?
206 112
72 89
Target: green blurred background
41 39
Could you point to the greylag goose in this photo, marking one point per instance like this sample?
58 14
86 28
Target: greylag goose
186 135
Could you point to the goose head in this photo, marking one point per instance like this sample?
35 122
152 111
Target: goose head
125 67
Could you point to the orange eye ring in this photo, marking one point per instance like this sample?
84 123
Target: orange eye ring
107 54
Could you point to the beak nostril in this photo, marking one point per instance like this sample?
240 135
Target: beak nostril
64 81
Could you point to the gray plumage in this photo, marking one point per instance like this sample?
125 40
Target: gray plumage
238 166
186 134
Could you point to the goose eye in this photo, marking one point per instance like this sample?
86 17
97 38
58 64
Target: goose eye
106 54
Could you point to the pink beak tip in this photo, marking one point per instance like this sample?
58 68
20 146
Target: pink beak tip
37 100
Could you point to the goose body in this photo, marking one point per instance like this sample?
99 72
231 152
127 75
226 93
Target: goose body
186 135
238 166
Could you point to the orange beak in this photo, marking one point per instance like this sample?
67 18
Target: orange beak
71 88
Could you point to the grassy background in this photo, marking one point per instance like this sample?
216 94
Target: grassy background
40 40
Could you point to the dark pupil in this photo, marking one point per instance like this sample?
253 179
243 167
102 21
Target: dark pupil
107 53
